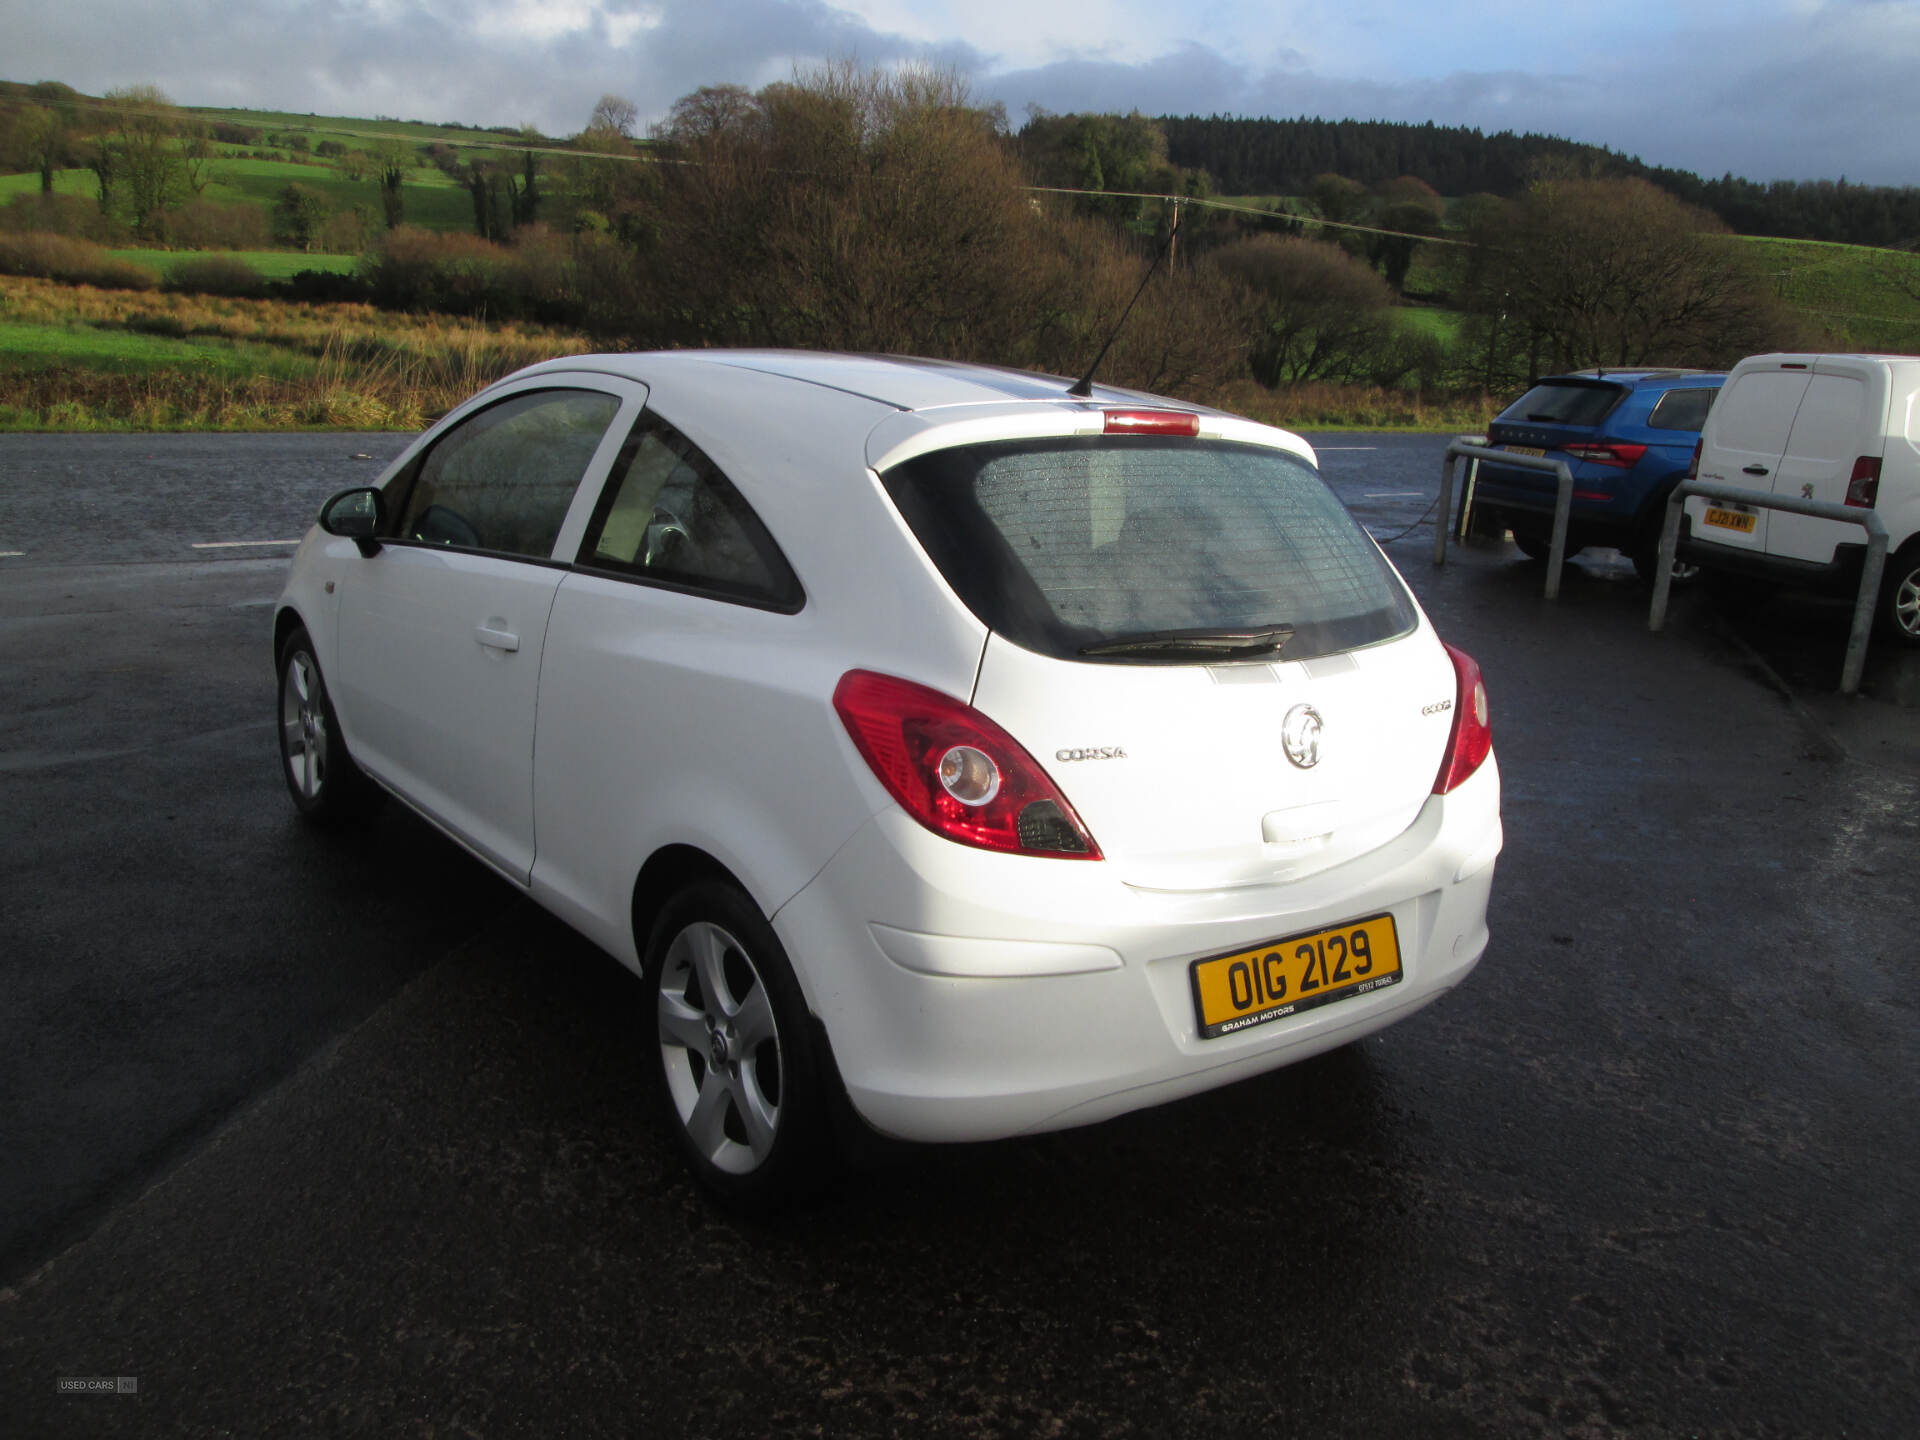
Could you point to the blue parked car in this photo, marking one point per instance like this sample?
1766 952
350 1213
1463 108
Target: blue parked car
1629 437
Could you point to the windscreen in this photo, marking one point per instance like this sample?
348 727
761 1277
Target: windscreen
1063 544
1564 402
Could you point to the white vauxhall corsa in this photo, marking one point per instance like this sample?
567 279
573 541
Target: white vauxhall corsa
1004 759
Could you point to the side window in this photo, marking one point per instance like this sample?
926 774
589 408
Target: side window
1683 409
668 514
502 480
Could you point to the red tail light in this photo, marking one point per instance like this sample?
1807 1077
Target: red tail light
1472 737
1693 465
1863 486
1152 422
955 771
1615 454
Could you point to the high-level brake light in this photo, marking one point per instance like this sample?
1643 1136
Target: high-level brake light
1152 422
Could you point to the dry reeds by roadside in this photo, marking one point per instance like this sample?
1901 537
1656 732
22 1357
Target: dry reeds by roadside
246 364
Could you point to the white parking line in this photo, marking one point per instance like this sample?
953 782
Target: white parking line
1323 449
1395 494
11 554
237 544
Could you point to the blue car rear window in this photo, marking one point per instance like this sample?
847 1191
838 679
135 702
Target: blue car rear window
1564 402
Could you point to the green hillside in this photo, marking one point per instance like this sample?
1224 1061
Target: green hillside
433 199
1867 298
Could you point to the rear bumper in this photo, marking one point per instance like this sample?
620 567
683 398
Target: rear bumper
952 1034
1525 499
1840 576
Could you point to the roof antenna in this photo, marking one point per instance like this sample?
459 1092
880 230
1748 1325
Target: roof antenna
1083 388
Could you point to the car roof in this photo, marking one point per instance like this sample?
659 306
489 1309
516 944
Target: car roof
903 382
1637 377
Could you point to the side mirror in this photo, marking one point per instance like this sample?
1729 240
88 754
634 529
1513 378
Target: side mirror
357 515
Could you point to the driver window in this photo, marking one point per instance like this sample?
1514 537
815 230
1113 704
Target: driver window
503 479
669 514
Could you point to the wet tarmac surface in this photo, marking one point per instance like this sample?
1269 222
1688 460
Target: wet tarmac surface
339 1131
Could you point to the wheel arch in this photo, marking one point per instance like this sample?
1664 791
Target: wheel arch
286 620
669 870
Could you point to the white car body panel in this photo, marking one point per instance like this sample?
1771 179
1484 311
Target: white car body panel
966 994
1204 797
440 714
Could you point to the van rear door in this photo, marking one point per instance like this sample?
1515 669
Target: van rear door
1841 421
1745 439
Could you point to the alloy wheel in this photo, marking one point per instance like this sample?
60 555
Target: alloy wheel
1906 603
303 725
720 1048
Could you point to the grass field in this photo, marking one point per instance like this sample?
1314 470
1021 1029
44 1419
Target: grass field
127 351
1868 298
65 182
432 199
346 127
1443 325
272 264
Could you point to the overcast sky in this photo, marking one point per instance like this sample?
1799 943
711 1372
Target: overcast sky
1796 89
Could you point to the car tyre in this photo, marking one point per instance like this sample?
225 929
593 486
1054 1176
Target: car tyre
743 1082
325 784
1539 547
1646 562
1900 596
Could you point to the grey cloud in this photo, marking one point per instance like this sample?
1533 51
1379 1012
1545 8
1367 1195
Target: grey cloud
335 56
1814 96
1785 110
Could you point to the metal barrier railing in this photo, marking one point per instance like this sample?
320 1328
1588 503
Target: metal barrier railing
1870 572
1473 448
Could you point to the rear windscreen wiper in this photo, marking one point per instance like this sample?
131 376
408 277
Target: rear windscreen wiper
1198 644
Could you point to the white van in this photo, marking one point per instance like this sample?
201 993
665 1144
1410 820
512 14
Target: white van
1844 428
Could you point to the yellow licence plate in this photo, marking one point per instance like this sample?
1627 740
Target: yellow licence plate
1524 450
1250 987
1731 519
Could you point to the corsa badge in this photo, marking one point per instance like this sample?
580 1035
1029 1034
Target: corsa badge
1300 735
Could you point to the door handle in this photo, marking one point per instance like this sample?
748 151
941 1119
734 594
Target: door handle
496 637
1753 469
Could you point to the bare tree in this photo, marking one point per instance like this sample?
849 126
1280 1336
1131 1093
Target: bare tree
710 111
614 114
1619 272
148 159
38 139
1321 311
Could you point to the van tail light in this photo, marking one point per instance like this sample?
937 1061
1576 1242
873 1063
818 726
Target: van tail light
1472 737
1863 486
1614 454
1693 465
1151 422
955 771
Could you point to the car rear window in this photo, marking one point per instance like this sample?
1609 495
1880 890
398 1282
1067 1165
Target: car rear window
1683 409
1062 543
1564 402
